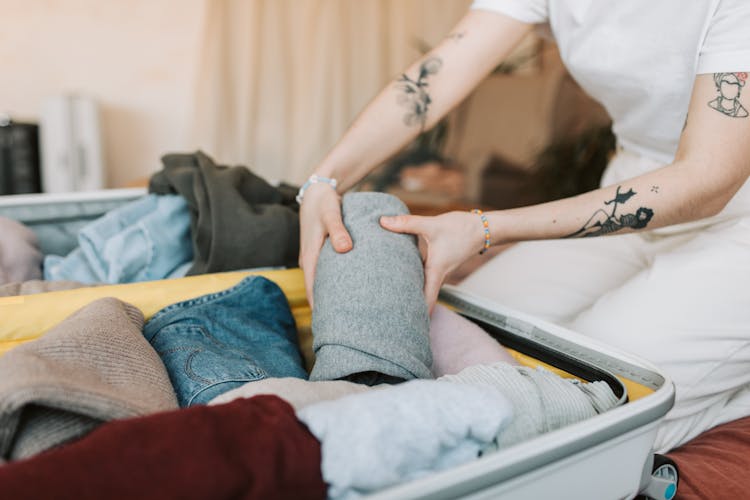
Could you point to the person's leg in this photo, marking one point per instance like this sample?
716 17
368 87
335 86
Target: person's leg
557 279
688 313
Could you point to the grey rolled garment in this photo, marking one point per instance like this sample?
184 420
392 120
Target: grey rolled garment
369 310
93 367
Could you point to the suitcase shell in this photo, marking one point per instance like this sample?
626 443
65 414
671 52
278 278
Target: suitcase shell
606 457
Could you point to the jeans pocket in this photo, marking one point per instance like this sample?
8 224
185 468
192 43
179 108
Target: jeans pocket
201 367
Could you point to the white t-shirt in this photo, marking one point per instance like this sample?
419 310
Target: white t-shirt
639 58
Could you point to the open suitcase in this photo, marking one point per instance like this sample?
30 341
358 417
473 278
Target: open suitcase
605 457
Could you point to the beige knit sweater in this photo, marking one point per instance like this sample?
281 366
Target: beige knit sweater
93 367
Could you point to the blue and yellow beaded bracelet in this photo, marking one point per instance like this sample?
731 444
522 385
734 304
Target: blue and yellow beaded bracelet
486 225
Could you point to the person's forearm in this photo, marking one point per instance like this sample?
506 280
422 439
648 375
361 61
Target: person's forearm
422 95
673 194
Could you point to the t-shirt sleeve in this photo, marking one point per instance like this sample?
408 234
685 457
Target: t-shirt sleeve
527 11
726 47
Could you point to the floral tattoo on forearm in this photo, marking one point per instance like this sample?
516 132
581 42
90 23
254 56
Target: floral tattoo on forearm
729 86
602 222
414 93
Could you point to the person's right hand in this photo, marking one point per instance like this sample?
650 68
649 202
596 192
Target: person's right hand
320 217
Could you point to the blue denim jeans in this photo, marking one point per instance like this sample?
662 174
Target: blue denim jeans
214 343
147 239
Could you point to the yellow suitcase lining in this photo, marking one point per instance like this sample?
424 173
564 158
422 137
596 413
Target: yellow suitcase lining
25 318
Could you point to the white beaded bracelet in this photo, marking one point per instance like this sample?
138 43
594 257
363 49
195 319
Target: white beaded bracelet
314 179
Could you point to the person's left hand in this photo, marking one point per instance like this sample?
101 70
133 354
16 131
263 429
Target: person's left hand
445 242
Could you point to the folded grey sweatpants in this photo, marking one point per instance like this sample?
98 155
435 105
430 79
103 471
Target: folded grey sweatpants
370 313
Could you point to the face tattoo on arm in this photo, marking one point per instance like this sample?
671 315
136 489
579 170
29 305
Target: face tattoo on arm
602 222
415 95
729 86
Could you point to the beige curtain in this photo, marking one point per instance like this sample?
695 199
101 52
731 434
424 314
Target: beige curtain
280 80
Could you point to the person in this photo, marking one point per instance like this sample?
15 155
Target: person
656 261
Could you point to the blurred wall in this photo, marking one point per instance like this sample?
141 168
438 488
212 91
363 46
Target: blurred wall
137 58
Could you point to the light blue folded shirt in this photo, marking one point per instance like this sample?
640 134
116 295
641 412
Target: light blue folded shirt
147 239
373 440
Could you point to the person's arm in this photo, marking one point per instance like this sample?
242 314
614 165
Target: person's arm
712 163
415 101
420 96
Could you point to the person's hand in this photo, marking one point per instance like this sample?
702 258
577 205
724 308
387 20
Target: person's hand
320 216
445 242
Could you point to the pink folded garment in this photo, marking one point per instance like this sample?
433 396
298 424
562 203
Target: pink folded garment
20 258
458 343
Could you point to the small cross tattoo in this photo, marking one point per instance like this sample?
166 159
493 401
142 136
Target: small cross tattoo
654 189
457 36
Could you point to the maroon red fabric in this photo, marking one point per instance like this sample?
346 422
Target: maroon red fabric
246 449
716 464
